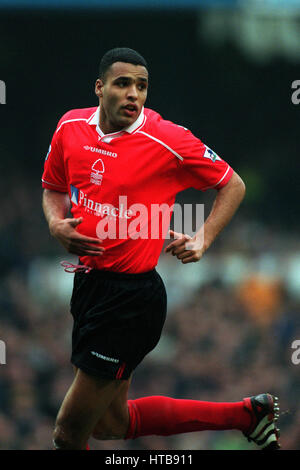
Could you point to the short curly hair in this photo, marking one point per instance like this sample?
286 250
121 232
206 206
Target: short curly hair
120 54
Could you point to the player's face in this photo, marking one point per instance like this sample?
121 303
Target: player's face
122 95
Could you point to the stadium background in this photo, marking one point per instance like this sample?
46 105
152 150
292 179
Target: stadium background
225 70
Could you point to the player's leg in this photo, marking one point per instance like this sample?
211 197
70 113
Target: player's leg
115 421
84 404
164 416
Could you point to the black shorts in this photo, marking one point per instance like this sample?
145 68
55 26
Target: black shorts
118 319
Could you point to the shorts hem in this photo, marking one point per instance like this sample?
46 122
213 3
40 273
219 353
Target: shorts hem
99 373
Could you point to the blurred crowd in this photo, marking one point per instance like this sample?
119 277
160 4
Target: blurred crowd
228 337
232 317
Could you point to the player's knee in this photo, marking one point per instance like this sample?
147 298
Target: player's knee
63 439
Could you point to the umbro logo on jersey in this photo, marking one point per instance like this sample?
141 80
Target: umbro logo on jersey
102 151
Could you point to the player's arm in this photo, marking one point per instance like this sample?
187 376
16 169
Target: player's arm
56 206
226 203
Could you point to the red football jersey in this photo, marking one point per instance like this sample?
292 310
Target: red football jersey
118 182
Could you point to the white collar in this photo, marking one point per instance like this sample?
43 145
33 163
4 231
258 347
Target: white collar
94 121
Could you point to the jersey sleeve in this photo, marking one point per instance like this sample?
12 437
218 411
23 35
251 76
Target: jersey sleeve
54 176
199 166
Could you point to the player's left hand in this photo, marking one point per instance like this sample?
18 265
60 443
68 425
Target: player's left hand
186 248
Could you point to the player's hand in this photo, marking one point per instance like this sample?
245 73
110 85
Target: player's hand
64 230
186 248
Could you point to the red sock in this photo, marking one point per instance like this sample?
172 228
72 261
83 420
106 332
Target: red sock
164 416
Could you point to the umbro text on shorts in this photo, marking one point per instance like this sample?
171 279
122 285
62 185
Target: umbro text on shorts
118 319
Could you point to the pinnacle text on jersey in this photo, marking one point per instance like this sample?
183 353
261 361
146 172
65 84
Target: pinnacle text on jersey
101 209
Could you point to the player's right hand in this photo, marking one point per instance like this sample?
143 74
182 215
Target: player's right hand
64 230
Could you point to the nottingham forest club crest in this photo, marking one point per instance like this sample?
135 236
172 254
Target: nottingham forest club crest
97 172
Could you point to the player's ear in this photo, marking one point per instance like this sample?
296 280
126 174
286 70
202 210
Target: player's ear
98 87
